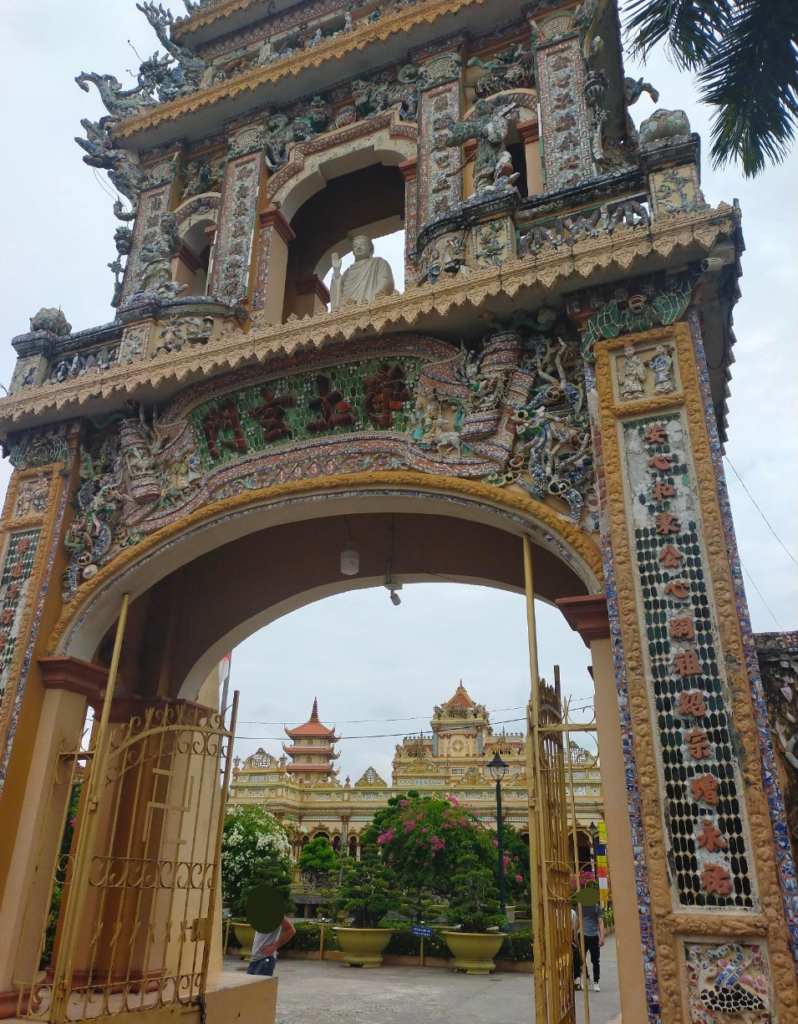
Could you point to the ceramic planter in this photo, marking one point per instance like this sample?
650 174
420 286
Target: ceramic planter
245 934
363 947
474 951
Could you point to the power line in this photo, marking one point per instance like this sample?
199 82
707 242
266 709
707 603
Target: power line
373 736
764 602
413 718
759 510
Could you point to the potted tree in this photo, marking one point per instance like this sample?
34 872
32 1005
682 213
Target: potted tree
256 849
317 862
474 907
367 892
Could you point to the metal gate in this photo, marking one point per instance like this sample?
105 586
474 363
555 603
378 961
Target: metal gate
138 887
551 871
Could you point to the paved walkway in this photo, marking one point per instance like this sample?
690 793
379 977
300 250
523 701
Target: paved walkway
310 991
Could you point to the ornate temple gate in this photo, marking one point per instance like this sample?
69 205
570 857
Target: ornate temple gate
206 451
139 884
548 837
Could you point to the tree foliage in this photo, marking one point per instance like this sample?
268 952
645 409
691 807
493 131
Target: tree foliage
474 903
745 54
368 890
318 857
256 849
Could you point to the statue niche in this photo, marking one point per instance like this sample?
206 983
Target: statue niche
368 277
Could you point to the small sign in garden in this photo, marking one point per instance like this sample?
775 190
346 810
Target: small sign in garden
421 932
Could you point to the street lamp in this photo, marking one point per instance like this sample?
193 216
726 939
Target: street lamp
593 830
498 769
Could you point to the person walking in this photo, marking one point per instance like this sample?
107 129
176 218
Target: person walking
264 948
593 932
576 950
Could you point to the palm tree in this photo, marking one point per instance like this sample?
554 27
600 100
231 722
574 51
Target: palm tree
745 54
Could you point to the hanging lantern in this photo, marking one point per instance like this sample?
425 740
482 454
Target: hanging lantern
350 562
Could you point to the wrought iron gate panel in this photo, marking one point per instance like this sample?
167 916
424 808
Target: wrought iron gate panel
138 925
554 990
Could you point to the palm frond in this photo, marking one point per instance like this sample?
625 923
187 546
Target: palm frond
751 79
692 28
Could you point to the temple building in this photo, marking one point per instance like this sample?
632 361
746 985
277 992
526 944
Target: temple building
303 790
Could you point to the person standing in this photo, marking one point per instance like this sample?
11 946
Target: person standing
593 932
264 948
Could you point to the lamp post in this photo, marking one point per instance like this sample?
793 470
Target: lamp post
593 830
498 769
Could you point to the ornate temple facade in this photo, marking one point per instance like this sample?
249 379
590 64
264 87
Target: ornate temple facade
305 793
542 409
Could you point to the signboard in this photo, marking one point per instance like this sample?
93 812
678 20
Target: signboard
420 932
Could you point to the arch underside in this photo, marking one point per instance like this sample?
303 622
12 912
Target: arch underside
202 589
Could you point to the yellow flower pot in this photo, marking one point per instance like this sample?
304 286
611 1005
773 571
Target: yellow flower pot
363 947
473 951
245 934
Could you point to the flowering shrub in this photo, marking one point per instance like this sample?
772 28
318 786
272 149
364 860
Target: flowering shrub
256 849
424 839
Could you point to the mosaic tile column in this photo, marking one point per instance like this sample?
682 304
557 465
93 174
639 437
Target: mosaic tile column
274 236
153 204
721 924
235 233
564 122
440 182
409 172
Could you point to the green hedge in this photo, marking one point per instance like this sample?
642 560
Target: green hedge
403 943
518 946
308 937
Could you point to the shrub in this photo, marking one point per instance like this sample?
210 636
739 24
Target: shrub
256 849
475 902
518 946
404 943
319 858
367 892
308 937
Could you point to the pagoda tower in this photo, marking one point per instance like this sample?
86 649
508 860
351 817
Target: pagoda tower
311 750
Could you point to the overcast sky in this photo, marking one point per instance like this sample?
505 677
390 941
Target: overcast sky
378 662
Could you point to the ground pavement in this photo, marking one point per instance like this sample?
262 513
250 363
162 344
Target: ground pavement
310 991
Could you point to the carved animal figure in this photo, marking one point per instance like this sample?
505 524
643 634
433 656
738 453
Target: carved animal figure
52 320
447 441
664 124
117 101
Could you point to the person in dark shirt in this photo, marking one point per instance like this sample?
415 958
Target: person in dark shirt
593 932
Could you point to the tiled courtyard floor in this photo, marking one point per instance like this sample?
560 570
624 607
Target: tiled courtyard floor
310 992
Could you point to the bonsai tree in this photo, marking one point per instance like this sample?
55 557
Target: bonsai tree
367 892
474 903
318 859
256 849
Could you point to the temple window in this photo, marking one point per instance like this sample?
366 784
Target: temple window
191 264
367 201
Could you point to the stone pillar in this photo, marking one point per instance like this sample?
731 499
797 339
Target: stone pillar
529 133
69 685
274 236
312 297
588 616
232 274
714 862
564 122
153 205
439 190
409 172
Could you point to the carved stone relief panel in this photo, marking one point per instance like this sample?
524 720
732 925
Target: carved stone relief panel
135 342
565 127
645 371
676 190
440 180
153 205
236 228
15 575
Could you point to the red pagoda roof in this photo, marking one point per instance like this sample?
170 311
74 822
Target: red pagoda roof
460 698
313 726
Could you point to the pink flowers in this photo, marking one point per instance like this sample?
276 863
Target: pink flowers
519 878
454 801
410 825
386 837
495 842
